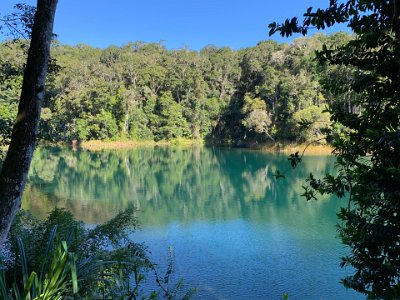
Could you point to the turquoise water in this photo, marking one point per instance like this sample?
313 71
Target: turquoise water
236 231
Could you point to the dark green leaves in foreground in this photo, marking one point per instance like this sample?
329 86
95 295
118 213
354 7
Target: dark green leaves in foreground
367 146
66 259
318 19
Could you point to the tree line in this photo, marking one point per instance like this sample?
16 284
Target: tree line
361 78
143 91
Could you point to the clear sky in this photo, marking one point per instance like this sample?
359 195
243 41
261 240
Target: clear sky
179 23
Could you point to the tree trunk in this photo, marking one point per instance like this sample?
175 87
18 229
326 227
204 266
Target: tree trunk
268 135
24 136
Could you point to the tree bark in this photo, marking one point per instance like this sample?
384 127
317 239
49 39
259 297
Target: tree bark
15 168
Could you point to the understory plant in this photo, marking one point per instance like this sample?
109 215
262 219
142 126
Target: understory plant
62 258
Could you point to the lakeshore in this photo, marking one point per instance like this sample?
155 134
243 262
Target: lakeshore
278 147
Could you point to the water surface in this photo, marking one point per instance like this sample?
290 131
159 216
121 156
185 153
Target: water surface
237 232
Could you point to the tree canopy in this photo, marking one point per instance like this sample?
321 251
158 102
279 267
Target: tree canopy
367 148
146 92
267 92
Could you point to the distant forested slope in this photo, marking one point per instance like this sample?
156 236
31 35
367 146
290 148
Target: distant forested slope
144 91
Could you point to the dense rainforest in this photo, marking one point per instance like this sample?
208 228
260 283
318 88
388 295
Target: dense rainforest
268 92
143 91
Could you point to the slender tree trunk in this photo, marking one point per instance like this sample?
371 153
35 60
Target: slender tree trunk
24 136
268 135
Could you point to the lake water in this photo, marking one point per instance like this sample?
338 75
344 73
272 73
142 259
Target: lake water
237 232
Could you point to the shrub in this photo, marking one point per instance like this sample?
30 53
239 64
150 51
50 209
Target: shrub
64 254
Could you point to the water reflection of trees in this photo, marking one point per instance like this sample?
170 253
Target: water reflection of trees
171 184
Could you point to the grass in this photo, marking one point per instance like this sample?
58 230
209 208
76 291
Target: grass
285 147
128 144
272 147
277 147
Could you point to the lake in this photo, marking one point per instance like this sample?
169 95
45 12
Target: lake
236 231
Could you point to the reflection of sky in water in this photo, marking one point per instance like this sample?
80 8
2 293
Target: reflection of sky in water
242 260
237 232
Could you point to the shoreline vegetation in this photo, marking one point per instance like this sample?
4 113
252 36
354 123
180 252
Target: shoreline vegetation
264 94
277 147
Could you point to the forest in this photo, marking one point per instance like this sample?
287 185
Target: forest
143 91
341 89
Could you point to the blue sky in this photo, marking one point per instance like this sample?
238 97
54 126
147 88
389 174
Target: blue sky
179 23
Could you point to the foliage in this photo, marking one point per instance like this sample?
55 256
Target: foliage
256 117
102 260
55 280
20 22
146 92
311 123
171 122
10 88
367 146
